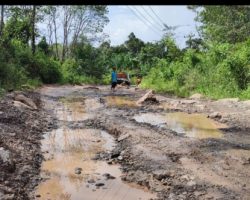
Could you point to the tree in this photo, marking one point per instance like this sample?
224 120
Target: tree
169 30
224 23
134 44
194 43
88 58
173 53
151 51
104 54
18 24
52 14
21 23
33 22
2 20
67 23
43 45
89 20
82 20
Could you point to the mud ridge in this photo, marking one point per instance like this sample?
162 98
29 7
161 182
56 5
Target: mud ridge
20 156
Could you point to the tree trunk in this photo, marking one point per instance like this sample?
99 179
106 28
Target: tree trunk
65 33
55 28
50 33
65 38
33 18
67 28
2 20
57 55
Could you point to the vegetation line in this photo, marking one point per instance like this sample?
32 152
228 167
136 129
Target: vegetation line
215 64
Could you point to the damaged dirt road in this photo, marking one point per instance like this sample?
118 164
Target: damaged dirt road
84 142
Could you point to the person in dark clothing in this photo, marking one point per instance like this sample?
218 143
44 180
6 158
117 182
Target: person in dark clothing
113 79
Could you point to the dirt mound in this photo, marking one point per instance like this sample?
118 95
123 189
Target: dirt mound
150 100
21 130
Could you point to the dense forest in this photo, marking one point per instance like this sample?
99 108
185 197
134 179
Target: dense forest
215 64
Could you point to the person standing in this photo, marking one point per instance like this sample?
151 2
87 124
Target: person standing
113 79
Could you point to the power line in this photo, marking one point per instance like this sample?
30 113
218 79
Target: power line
164 24
147 20
141 19
156 15
154 19
151 18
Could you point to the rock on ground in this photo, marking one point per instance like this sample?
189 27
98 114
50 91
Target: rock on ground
25 100
196 96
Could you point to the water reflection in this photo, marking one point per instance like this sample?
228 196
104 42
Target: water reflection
193 125
120 101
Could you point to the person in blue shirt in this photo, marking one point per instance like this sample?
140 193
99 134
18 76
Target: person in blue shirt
113 79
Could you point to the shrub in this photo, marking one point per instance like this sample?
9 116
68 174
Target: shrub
2 92
69 72
221 71
48 69
245 94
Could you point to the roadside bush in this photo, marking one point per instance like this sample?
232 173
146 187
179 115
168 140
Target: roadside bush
72 73
245 94
221 71
158 80
106 79
11 75
2 92
48 69
69 71
31 84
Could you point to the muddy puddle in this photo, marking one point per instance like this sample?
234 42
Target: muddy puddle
77 108
70 171
120 101
192 125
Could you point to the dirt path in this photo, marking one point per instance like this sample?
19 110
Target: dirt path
104 146
70 169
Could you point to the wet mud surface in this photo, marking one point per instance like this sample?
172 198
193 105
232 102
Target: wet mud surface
21 130
95 144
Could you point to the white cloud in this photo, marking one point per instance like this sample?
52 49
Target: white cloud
122 25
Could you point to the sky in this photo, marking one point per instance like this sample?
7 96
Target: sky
146 23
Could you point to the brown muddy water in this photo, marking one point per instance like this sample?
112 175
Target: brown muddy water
120 101
69 170
192 125
72 109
